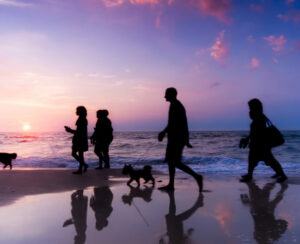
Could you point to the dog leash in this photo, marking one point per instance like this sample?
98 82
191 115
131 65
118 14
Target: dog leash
137 209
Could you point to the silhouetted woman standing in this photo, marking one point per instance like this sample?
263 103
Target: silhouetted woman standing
260 149
102 137
80 139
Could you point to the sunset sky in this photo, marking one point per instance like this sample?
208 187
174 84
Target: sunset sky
122 54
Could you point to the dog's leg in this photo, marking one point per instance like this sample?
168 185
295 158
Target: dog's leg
153 181
128 183
138 182
10 166
4 166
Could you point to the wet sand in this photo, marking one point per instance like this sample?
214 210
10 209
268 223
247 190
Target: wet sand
17 183
55 206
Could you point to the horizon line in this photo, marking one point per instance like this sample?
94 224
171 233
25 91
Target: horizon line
90 131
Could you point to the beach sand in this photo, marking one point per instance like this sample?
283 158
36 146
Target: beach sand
55 206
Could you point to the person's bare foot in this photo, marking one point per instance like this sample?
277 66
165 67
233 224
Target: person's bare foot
166 188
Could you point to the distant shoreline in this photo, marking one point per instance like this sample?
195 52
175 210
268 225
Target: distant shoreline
142 131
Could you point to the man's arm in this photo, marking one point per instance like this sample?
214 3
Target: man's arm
162 134
68 129
244 142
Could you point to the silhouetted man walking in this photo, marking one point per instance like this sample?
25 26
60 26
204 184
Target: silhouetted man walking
178 137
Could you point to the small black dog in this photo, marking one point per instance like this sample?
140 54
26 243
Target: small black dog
144 173
6 159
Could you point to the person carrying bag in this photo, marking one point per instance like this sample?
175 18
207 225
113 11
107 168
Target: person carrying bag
262 138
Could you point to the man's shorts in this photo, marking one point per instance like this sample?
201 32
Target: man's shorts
174 152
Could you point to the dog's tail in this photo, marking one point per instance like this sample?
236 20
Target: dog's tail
147 168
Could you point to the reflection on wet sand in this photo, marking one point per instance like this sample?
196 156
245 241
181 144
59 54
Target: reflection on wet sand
175 230
79 204
122 214
136 192
267 228
101 204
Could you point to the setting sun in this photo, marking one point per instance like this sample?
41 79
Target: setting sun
26 127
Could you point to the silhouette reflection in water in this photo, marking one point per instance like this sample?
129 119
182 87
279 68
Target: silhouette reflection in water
175 230
101 204
267 228
136 192
79 204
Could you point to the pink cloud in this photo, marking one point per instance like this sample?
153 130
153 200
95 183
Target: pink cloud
275 60
255 63
151 2
219 51
112 3
116 3
257 8
216 8
277 44
293 15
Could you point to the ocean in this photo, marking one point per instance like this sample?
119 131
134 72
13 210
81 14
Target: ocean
213 152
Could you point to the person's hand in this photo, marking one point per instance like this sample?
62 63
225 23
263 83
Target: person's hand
243 143
161 136
68 129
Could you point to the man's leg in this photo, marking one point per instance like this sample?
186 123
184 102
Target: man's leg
74 154
275 165
82 163
106 158
191 172
170 186
252 163
99 154
171 149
